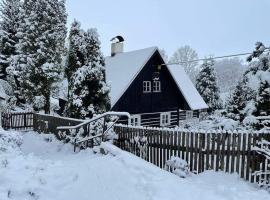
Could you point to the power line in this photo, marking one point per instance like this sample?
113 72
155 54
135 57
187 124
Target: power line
214 58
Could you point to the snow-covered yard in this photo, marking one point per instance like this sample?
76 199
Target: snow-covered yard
39 169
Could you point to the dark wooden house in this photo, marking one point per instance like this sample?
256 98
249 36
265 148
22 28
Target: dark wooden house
153 93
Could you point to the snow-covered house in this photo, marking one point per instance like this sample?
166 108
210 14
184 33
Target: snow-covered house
153 93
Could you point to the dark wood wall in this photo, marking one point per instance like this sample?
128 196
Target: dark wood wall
135 101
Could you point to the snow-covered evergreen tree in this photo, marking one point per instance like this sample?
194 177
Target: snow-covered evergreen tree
206 84
9 24
238 101
258 76
263 99
42 37
89 92
75 57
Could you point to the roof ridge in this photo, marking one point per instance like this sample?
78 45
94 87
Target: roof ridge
125 52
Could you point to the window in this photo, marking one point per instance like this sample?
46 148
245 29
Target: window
156 86
165 119
189 114
135 120
146 86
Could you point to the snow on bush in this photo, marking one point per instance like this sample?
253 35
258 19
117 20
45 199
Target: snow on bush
9 141
177 166
141 145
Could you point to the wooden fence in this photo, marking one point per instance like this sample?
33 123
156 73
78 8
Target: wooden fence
17 121
231 152
220 151
35 121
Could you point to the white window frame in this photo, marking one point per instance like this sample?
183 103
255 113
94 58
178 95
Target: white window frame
165 121
146 86
156 86
132 120
189 114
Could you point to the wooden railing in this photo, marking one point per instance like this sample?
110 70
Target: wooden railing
90 132
216 150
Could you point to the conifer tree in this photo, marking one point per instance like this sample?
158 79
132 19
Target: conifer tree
259 77
238 100
9 25
263 100
42 38
206 84
75 57
89 91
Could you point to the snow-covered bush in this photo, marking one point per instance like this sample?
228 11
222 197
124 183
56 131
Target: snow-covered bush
250 121
38 102
177 166
9 141
141 145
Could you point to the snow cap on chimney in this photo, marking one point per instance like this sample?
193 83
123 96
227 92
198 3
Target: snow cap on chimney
117 45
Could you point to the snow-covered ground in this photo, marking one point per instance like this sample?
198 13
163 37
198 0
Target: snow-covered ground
39 169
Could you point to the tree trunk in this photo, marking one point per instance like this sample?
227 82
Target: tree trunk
47 102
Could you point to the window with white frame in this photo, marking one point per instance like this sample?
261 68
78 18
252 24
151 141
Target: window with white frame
189 114
156 86
165 119
135 120
146 86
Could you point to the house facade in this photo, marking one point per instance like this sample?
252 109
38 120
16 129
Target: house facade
153 93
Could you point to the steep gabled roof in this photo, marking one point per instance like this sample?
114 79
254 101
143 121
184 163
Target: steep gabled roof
190 93
123 68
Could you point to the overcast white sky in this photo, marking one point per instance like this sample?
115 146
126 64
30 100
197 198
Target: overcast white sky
216 27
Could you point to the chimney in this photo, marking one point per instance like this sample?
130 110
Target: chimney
117 45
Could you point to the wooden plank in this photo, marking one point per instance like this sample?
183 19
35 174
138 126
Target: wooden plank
238 152
175 136
244 137
213 148
155 154
188 138
182 143
222 153
161 149
208 141
248 157
218 152
254 157
191 151
157 138
233 154
200 159
228 148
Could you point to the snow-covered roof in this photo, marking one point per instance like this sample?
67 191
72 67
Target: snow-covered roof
190 93
123 68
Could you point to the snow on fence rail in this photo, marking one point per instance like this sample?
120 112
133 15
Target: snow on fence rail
231 152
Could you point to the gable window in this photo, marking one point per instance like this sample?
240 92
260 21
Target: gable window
165 119
156 86
146 86
135 120
189 114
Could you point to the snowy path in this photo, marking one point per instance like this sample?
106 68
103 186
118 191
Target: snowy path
51 171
